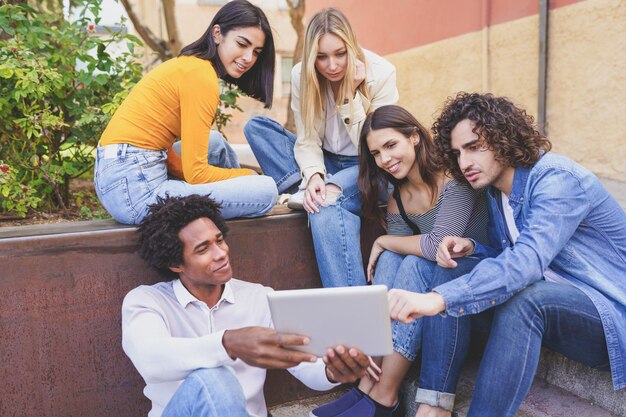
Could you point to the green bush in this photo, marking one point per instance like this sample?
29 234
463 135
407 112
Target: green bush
59 85
14 196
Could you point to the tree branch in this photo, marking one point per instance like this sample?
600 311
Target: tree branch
158 45
169 7
296 14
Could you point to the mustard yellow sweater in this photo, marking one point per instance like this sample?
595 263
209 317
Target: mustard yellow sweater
175 100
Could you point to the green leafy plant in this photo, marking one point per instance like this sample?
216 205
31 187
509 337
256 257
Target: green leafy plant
228 100
60 82
14 196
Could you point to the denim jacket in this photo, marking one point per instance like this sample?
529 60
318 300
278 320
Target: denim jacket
568 222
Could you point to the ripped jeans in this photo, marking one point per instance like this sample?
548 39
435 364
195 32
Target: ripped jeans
336 229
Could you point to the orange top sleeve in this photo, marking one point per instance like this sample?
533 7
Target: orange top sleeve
175 100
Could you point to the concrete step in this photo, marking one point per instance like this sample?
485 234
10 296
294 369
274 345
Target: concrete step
544 399
562 388
303 407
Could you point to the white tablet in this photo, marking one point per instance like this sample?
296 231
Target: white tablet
349 316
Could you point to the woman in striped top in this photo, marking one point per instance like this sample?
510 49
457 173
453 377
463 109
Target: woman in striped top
426 205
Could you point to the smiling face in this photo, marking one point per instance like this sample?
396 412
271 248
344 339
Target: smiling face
206 265
239 49
332 57
476 161
392 151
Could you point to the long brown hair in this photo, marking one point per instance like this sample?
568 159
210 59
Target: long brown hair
258 82
370 176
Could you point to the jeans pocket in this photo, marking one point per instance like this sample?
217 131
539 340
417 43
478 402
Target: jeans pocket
112 181
153 169
110 174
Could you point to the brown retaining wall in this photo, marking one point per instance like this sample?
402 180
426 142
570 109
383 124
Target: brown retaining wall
62 288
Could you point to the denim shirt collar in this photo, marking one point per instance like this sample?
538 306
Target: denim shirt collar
516 198
520 178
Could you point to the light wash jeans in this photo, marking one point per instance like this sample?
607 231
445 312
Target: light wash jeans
213 392
403 272
558 316
336 229
221 154
128 179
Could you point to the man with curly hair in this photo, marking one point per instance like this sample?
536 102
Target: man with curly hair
556 275
203 341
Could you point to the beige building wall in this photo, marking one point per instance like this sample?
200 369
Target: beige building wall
586 93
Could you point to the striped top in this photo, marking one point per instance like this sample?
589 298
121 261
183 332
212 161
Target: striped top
459 211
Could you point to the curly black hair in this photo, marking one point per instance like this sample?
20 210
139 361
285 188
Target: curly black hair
506 129
159 244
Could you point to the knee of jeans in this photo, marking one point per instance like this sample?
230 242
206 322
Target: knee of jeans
212 376
386 269
441 275
333 195
414 274
217 384
524 306
257 123
216 140
266 189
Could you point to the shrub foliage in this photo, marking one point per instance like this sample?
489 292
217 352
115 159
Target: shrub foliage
60 82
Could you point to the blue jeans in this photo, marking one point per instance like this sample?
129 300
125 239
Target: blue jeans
557 316
336 229
213 392
410 273
272 146
128 179
221 154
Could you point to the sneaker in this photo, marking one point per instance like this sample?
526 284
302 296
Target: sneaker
366 407
296 201
338 406
283 199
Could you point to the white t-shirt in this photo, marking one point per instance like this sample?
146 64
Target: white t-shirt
336 138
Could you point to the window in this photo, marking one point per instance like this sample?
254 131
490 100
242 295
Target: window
212 2
286 64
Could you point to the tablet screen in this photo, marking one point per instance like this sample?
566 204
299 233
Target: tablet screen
349 316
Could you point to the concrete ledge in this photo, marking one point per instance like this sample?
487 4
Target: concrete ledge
582 381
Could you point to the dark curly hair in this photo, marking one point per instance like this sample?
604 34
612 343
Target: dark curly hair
159 244
370 176
506 129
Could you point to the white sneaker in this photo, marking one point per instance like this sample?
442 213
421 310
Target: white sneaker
282 199
296 201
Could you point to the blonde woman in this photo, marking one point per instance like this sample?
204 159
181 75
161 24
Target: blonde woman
332 90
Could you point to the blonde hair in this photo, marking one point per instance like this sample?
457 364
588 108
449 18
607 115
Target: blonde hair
312 95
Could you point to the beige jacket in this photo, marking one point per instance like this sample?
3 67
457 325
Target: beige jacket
381 83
